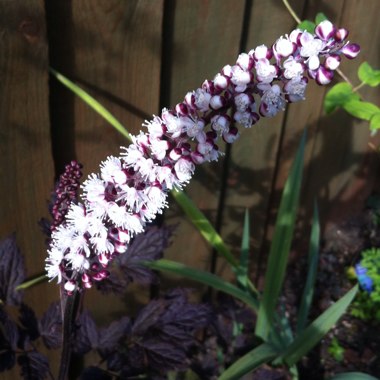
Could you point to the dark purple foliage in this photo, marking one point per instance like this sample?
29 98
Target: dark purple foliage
164 356
29 322
50 326
148 316
110 336
95 373
12 271
9 337
127 268
34 366
87 335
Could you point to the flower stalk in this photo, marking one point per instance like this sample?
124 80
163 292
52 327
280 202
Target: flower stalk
131 189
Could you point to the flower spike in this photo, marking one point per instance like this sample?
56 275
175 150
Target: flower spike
131 190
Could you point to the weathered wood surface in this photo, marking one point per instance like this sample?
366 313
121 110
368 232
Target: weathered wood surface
137 56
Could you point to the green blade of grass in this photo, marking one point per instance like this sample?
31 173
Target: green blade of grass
279 250
307 295
34 281
92 102
242 270
249 362
203 277
309 337
204 226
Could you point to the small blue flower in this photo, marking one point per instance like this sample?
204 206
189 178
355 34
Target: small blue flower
365 281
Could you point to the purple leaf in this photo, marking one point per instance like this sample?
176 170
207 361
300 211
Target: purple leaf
145 247
29 321
110 336
87 336
34 366
12 271
8 341
9 333
164 356
148 316
50 326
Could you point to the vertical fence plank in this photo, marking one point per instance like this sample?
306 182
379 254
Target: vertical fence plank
26 170
113 49
206 36
253 159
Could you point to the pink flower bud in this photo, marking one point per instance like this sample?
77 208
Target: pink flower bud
332 62
341 34
324 76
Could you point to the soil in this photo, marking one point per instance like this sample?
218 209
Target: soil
359 340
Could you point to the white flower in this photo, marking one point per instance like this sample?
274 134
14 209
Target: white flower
311 48
272 101
53 270
240 78
154 127
292 68
202 100
220 123
265 71
295 89
112 170
94 188
283 47
184 169
76 216
102 244
173 123
159 148
78 261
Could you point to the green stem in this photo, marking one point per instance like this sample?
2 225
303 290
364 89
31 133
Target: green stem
358 87
291 11
34 281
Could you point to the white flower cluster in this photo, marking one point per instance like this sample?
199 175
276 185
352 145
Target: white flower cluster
131 189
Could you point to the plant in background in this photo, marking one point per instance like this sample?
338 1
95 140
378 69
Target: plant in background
367 303
336 350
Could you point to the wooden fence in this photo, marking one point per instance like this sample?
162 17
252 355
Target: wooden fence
136 56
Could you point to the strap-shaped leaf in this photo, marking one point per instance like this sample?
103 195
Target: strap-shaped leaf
242 270
281 241
249 362
205 278
307 295
92 102
309 337
203 225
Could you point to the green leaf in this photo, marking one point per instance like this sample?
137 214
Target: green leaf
307 295
307 25
339 95
374 123
368 75
249 362
281 241
361 110
92 102
353 376
205 278
309 337
320 17
242 269
204 226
